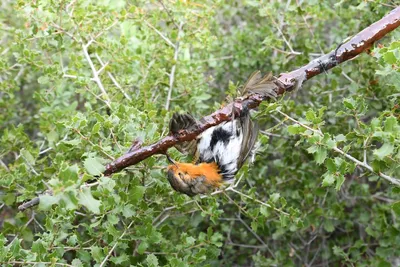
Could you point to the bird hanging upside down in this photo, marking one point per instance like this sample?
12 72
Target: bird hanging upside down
220 151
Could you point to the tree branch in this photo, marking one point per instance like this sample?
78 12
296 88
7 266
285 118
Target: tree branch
285 83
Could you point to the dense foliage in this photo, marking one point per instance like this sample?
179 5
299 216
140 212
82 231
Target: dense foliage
80 80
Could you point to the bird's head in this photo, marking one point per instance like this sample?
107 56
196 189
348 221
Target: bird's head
193 179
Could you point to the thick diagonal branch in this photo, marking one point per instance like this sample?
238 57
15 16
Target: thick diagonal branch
285 82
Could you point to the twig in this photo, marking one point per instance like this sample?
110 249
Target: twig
170 15
4 165
312 33
172 74
115 245
338 150
246 246
258 201
168 41
295 53
72 4
95 73
36 263
281 33
113 79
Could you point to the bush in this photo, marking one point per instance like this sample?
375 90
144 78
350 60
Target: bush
80 80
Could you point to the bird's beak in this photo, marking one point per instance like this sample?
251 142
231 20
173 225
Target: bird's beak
170 159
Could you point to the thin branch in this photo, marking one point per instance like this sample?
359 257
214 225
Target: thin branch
65 32
172 74
113 79
36 263
295 53
168 41
4 165
281 33
256 200
312 33
256 236
338 150
95 73
170 15
115 245
246 246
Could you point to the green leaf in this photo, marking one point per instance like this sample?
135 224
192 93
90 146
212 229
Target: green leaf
349 103
389 57
70 174
97 253
86 199
254 225
293 129
128 212
320 156
330 143
8 198
118 261
329 179
46 201
339 252
330 165
340 138
264 211
390 124
328 226
27 156
152 260
43 80
96 128
274 197
76 263
310 115
312 149
142 247
339 182
137 194
93 166
396 208
385 150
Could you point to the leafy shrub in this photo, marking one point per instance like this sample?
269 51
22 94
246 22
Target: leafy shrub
80 80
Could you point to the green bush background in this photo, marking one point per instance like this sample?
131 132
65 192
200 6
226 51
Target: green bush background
80 80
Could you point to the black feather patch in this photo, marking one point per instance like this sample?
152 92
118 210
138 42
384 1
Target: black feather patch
219 135
226 172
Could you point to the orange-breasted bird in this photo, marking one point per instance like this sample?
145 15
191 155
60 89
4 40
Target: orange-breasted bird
220 151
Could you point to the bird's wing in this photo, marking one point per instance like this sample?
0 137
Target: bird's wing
250 132
183 122
264 86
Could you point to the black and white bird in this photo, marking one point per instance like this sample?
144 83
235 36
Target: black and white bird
220 151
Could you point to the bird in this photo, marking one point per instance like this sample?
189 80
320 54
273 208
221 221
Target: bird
220 151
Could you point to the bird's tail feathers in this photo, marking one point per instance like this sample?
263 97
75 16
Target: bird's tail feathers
257 84
183 122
